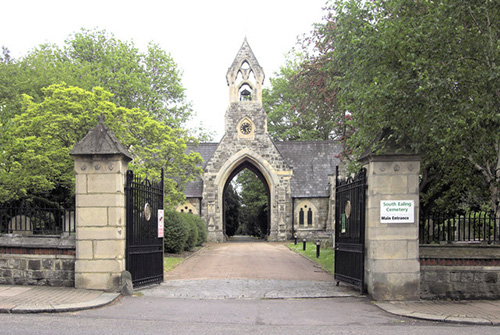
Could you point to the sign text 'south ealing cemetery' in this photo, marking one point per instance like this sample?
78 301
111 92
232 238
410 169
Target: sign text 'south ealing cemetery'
397 211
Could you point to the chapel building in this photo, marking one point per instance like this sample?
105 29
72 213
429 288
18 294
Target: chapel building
298 175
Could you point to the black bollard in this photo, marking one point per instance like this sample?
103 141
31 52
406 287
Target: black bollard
295 239
317 248
304 244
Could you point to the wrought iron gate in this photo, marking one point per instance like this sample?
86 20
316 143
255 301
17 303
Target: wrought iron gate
350 229
144 252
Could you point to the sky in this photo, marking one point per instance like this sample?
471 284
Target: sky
203 37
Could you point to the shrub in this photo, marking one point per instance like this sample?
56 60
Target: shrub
202 230
192 239
200 225
176 232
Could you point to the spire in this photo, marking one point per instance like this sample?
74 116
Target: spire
245 76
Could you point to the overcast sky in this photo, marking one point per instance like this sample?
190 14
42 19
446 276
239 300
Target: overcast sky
202 36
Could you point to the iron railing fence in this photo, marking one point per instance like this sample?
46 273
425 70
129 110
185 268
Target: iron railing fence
470 227
27 219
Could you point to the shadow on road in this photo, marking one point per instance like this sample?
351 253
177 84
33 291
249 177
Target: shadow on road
244 239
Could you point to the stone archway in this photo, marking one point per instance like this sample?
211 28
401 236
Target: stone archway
248 165
216 182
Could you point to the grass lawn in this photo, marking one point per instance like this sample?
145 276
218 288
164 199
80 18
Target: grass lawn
171 262
325 260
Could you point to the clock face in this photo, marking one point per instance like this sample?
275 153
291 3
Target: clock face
246 128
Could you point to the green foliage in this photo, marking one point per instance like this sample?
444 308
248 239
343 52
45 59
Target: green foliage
183 232
301 103
35 157
176 232
149 81
202 229
432 91
254 209
192 240
231 207
140 93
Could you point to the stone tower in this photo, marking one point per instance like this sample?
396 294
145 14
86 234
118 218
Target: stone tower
296 174
246 145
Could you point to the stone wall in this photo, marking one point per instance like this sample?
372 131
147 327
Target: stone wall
47 261
460 271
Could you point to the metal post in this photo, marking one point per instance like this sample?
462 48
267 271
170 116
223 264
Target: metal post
317 248
304 244
295 239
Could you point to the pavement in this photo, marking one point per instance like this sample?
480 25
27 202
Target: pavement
44 299
227 285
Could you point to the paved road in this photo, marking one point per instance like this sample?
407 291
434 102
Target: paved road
248 270
157 315
249 260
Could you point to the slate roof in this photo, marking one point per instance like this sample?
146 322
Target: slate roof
312 162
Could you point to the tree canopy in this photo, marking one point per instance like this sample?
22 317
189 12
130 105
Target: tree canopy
35 152
426 74
149 80
428 71
301 102
53 95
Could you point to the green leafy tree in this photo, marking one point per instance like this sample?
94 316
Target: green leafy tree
254 205
148 80
35 157
426 74
301 103
231 210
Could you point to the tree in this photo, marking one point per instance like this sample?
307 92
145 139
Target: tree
35 157
231 210
301 102
148 80
254 205
435 89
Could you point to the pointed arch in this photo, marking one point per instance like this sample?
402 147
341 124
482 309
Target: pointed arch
247 159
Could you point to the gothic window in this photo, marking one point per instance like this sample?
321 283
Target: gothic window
309 217
305 213
245 65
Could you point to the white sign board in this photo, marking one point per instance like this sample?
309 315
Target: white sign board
160 223
397 211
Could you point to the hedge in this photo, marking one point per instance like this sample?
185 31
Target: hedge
183 231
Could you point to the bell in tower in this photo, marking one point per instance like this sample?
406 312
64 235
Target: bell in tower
245 77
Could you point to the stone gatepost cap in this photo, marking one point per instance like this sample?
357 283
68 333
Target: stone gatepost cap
387 146
100 141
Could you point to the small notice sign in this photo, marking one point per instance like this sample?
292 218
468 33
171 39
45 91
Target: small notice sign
160 223
397 211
